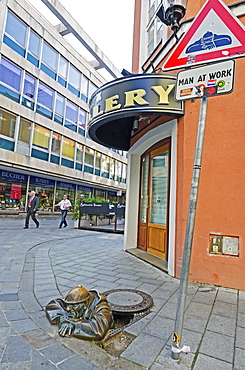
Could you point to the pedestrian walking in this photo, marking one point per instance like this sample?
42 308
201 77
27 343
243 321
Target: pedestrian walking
64 205
31 209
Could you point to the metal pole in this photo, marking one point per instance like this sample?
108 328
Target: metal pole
189 229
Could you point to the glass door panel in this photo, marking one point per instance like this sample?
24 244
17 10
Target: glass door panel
144 189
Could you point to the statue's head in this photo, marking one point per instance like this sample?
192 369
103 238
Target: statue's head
77 301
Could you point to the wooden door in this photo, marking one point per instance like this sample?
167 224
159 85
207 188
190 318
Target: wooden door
152 235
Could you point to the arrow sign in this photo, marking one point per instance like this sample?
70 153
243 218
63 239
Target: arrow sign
215 34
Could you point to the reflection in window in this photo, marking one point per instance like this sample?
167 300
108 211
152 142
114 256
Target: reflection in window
45 96
68 148
49 56
124 173
112 169
16 29
59 108
105 166
63 66
24 131
89 156
29 86
71 116
10 74
92 88
79 157
144 189
97 160
84 89
82 121
7 124
56 143
41 137
74 77
118 171
34 44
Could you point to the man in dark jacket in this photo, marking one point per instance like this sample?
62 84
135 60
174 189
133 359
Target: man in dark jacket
31 209
83 314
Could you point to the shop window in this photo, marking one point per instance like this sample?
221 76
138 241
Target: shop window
105 166
71 116
74 81
10 76
82 121
118 171
15 34
45 97
41 137
34 48
63 67
45 195
61 190
7 124
59 109
100 194
29 91
68 148
84 89
112 169
12 194
88 160
24 131
49 60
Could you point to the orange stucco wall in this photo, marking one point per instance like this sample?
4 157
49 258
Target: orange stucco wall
221 201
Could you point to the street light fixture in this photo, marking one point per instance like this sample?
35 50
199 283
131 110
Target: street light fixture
172 13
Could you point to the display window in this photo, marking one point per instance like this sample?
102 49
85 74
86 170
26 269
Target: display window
63 188
44 189
12 191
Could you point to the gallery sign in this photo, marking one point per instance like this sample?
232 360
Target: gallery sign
114 106
210 80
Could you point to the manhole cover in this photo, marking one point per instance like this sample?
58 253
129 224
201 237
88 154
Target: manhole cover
128 301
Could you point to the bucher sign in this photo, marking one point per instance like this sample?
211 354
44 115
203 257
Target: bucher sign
103 209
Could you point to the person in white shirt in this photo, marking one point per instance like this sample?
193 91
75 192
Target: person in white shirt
64 205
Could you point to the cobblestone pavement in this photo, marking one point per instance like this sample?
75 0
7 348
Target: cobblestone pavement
37 265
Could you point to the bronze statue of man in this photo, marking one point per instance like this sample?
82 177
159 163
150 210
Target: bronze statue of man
83 313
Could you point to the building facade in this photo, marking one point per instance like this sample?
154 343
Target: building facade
45 85
161 151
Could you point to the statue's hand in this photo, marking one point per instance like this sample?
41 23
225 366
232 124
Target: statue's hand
66 329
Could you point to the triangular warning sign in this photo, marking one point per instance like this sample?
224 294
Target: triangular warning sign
215 34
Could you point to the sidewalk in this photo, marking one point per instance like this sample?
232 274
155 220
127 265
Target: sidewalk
37 265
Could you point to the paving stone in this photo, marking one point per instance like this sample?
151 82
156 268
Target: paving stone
194 323
223 325
206 297
227 297
38 338
56 353
9 297
240 337
4 334
224 309
16 350
75 362
199 310
14 315
217 345
23 326
241 319
239 361
144 349
40 362
209 363
16 366
160 327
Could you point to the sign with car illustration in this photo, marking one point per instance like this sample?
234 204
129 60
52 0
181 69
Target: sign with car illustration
214 35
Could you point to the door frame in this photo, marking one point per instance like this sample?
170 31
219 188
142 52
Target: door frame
145 225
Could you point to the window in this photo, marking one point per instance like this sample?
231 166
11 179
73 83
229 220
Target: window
59 109
24 131
41 137
11 76
74 80
79 157
71 116
89 160
34 48
7 124
112 169
68 148
29 91
63 67
124 173
45 98
105 166
97 163
49 60
56 143
118 171
84 89
82 121
15 34
91 89
151 39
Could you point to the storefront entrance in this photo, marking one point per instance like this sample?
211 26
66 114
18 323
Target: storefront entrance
153 222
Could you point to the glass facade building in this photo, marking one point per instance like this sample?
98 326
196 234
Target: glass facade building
45 85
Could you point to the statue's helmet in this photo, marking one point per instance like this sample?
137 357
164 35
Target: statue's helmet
77 295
